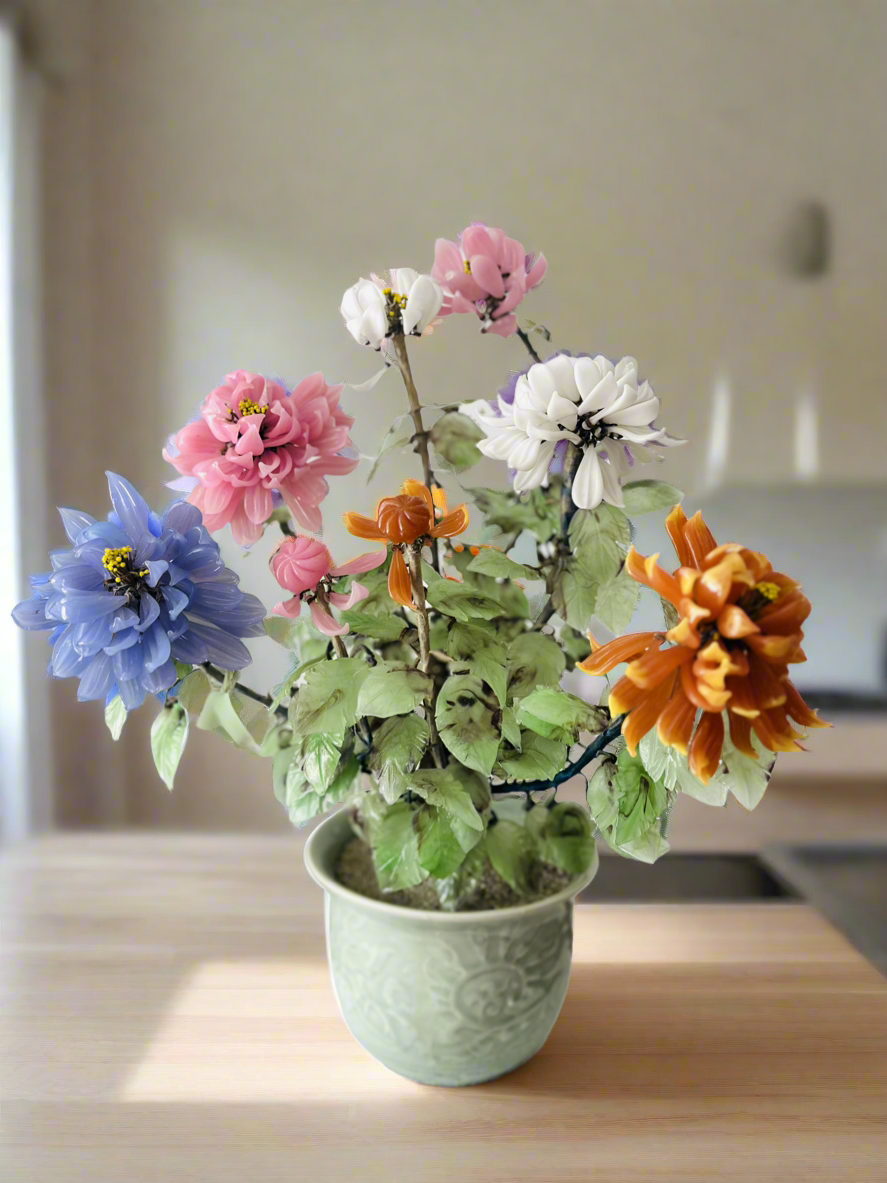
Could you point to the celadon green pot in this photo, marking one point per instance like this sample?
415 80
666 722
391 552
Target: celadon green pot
445 998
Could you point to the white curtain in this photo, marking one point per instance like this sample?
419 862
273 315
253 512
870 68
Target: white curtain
26 787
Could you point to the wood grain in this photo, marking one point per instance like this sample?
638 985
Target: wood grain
167 1016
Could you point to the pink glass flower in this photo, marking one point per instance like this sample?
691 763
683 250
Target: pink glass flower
254 440
487 273
303 566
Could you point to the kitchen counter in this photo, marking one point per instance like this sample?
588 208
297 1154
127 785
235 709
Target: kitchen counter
168 1018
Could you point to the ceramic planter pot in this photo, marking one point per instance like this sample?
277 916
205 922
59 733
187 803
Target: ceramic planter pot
448 998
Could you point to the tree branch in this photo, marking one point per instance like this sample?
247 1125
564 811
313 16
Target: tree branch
572 460
525 337
418 589
246 691
420 436
594 749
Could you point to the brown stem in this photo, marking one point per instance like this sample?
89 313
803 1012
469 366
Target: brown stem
420 435
424 628
572 460
323 600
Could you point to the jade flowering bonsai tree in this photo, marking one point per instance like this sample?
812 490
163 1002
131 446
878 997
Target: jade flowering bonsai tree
425 682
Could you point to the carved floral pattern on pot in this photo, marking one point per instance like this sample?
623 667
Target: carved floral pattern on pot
450 1005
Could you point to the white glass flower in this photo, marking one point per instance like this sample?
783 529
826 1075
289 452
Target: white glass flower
590 402
375 309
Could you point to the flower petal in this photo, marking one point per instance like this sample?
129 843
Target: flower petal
399 580
699 538
346 600
606 657
129 505
363 527
325 623
644 716
588 483
704 754
365 562
675 724
454 523
656 664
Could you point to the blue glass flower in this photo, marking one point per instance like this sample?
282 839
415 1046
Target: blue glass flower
134 593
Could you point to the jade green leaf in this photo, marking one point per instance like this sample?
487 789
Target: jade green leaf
455 437
305 807
477 645
477 786
452 889
593 529
291 678
500 566
438 786
745 778
320 759
398 746
393 438
396 849
284 631
466 640
512 852
556 714
604 795
642 801
298 635
280 766
466 722
538 511
194 691
574 643
533 660
573 594
440 852
462 601
343 782
380 628
327 700
644 496
670 766
489 671
626 804
511 731
169 731
390 689
564 835
538 758
616 602
255 716
219 715
115 716
183 669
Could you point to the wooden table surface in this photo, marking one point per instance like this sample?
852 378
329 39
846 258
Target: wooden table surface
168 1018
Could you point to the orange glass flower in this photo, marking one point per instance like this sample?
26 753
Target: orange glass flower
408 518
738 632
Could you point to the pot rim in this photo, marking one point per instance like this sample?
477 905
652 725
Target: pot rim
321 837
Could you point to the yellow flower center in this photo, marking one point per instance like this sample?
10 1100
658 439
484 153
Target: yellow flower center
117 560
467 266
770 591
396 302
248 407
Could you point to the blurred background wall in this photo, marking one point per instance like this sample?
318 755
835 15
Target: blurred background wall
218 171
